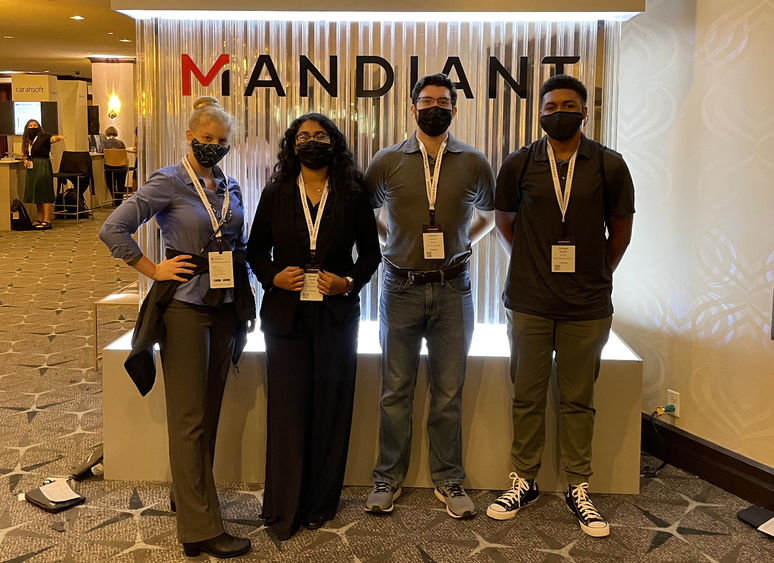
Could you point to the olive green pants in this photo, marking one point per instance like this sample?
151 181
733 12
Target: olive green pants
571 350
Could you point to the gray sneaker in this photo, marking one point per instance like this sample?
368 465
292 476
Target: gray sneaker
458 503
382 498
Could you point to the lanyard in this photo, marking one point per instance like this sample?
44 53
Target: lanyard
431 182
563 200
199 190
29 148
314 228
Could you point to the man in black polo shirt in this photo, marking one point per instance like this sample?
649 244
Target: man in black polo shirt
564 207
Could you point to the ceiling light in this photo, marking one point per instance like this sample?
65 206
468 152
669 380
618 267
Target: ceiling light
111 33
125 40
7 36
77 18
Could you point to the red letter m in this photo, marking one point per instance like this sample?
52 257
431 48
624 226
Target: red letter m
189 67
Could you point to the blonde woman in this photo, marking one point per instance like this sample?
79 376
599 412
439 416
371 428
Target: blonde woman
199 324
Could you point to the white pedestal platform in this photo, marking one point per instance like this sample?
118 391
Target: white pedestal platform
135 439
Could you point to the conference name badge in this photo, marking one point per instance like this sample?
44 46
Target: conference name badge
563 257
221 269
310 292
432 242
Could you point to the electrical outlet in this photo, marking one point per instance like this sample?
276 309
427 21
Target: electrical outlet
673 398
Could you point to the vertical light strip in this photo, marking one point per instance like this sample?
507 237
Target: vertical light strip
494 126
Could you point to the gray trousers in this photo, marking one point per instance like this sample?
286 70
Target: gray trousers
578 346
196 357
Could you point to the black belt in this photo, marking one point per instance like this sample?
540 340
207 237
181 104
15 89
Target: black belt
421 277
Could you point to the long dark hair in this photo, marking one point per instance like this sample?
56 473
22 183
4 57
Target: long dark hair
345 177
26 140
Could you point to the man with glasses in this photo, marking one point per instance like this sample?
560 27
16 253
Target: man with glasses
564 215
433 197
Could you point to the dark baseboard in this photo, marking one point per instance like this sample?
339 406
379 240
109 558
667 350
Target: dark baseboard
739 475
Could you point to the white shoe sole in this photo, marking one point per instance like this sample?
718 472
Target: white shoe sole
440 497
499 515
378 510
588 530
595 532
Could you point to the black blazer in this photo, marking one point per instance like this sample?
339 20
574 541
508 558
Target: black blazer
279 238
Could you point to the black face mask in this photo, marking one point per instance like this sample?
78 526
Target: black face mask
561 125
314 154
208 155
434 121
32 132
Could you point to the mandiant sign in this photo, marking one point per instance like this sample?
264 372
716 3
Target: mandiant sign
264 65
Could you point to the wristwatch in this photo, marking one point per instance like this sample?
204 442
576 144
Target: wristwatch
350 285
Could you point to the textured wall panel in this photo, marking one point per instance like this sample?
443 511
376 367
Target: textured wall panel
495 126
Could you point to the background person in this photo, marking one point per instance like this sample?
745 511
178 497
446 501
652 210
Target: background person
437 195
200 328
310 215
39 182
564 210
115 173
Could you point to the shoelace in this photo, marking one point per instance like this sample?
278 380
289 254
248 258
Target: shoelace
583 502
455 490
518 488
382 487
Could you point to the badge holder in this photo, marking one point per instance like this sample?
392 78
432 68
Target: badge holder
310 291
563 256
221 265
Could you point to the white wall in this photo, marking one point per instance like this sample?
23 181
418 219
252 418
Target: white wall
73 115
693 295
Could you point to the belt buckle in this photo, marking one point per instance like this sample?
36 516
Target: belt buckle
413 275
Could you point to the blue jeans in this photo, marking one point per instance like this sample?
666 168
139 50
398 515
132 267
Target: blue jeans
442 313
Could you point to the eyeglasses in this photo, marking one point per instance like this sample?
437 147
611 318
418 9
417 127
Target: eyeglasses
320 137
427 101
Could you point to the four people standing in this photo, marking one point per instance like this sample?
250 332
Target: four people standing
311 214
437 195
434 198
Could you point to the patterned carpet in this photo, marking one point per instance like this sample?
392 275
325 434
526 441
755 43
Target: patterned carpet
50 418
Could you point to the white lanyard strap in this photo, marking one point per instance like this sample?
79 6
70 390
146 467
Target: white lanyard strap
431 182
199 190
314 228
562 199
29 148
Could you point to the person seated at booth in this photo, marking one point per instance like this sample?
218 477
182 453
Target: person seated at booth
116 164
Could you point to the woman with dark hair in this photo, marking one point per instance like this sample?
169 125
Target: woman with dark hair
39 183
311 214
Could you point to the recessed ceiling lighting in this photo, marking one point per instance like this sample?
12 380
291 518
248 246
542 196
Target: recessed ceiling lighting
77 18
125 40
8 37
111 33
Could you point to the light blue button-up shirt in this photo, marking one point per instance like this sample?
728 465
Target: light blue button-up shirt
169 196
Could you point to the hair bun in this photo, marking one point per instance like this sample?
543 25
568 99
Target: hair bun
204 101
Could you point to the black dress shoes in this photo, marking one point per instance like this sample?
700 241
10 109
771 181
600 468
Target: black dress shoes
223 546
315 522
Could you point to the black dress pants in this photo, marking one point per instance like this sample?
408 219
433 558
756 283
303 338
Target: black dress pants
311 388
196 357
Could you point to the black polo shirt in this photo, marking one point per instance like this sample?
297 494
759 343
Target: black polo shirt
531 287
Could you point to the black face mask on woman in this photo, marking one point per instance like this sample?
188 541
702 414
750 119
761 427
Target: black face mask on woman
207 154
434 121
33 132
561 125
314 154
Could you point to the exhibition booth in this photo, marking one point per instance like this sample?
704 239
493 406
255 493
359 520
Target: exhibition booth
268 67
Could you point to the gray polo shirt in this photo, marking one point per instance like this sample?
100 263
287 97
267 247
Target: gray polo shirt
396 179
531 287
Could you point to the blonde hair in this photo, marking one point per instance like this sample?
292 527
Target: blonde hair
205 109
